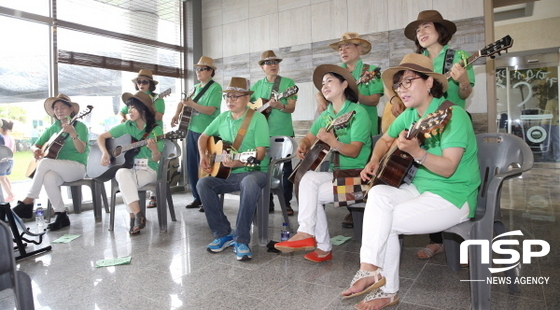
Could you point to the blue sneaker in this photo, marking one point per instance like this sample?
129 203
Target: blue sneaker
220 244
242 251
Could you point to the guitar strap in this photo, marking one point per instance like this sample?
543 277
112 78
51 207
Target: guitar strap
448 61
204 89
446 104
275 86
243 129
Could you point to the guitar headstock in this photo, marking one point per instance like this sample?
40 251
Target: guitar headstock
249 157
177 134
496 47
83 113
163 94
369 75
290 91
342 121
431 124
252 161
189 94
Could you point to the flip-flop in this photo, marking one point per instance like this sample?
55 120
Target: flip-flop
380 281
429 253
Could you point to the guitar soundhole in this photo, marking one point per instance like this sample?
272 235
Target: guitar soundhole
117 151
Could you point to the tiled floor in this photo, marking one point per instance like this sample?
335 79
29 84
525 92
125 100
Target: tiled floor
173 270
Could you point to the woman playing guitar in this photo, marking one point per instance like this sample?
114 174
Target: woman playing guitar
141 125
443 192
353 144
68 165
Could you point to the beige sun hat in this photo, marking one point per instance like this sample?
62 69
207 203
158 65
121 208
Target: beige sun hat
142 97
413 62
205 62
147 74
428 16
268 55
61 97
239 84
321 70
354 38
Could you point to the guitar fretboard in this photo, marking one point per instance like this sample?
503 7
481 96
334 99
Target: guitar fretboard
140 143
465 63
218 158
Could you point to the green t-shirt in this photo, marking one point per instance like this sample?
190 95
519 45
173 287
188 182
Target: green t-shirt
159 105
212 97
462 186
68 150
129 127
359 130
375 86
279 122
452 93
225 127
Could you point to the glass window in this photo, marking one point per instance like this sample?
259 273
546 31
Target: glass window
39 7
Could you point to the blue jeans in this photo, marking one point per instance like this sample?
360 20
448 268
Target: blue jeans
249 184
192 160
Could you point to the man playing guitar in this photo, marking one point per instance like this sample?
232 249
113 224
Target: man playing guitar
196 116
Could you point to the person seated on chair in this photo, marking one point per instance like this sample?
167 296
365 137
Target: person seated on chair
54 169
353 144
246 130
141 125
442 194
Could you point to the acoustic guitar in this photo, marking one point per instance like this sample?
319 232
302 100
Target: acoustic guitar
186 114
488 51
398 167
319 150
215 155
369 75
263 105
122 151
52 147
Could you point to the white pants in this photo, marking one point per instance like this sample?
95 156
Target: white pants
315 189
391 212
52 173
130 180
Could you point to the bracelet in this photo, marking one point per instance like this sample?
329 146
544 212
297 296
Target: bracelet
466 87
73 138
422 160
283 108
337 149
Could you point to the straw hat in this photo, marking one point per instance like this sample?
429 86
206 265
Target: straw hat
147 74
61 97
413 62
206 62
321 70
239 84
268 55
354 38
428 16
142 97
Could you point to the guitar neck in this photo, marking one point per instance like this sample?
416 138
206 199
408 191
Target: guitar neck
218 158
465 63
140 143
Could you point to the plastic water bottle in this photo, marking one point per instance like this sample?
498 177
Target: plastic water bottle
284 233
40 217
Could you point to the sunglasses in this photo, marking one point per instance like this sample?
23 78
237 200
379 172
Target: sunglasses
271 62
200 69
142 82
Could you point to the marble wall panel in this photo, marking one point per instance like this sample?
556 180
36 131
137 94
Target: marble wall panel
365 16
236 38
262 7
331 20
296 26
209 36
263 33
284 5
401 12
234 11
306 105
212 12
455 10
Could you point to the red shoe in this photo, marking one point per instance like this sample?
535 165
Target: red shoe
314 257
299 245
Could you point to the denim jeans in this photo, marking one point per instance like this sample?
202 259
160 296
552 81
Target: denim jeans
192 160
249 184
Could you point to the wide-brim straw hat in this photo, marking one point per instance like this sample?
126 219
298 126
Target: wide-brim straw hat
268 55
413 62
206 62
428 16
354 38
61 97
145 73
321 70
239 84
142 97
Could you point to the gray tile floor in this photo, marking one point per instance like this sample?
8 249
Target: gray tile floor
173 270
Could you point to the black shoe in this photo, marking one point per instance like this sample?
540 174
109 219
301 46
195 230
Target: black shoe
271 205
61 221
348 221
201 209
195 204
289 210
24 210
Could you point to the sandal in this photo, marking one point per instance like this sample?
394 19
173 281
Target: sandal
361 274
137 223
289 210
152 203
427 252
378 294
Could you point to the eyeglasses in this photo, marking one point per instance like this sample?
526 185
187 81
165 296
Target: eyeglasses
200 69
232 97
142 82
271 62
405 84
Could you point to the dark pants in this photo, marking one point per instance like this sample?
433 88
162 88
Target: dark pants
192 160
287 185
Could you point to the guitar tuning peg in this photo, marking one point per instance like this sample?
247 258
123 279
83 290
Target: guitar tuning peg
427 135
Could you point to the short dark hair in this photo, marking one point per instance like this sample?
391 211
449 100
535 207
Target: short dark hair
444 37
348 92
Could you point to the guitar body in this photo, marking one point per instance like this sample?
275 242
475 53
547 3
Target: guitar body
185 119
395 169
118 159
260 105
312 160
217 169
